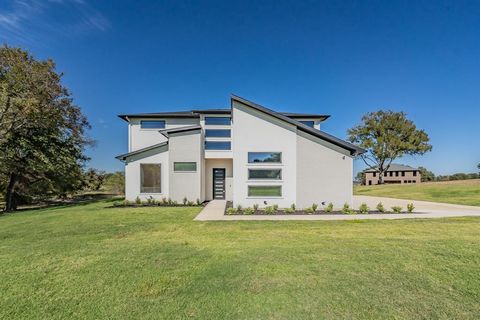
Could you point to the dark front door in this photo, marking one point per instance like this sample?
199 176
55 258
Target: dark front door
218 183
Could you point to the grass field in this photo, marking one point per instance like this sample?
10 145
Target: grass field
465 192
89 261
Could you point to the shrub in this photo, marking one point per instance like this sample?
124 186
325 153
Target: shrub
248 211
126 202
329 208
164 201
138 200
380 207
397 209
198 202
170 201
174 203
314 207
410 207
347 210
289 210
309 210
363 208
255 207
185 200
190 203
293 207
275 207
239 207
150 200
269 210
231 211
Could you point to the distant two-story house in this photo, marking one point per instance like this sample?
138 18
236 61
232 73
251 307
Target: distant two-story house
247 154
397 173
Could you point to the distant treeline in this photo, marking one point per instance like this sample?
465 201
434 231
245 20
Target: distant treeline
430 176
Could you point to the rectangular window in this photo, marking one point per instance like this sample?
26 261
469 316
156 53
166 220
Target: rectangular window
150 181
309 123
264 157
396 173
403 173
270 174
185 166
391 173
414 173
217 121
217 133
374 174
218 145
152 124
264 191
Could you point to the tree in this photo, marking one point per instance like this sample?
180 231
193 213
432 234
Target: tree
115 182
387 135
93 179
426 175
42 133
360 177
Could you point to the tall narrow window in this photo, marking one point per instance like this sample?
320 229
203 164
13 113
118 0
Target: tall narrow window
264 157
150 178
152 124
414 173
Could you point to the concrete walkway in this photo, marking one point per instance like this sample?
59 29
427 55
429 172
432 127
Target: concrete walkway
215 209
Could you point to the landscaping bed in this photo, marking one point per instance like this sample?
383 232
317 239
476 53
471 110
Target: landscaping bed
165 202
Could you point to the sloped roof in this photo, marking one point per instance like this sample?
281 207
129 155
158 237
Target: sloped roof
180 129
354 150
122 157
396 167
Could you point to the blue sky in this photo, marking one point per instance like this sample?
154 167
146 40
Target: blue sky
342 58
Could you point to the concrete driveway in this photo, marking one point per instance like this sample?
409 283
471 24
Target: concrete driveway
215 209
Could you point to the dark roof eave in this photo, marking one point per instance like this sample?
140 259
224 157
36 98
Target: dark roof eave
122 157
354 150
180 129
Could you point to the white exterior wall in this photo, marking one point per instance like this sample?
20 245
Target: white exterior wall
219 163
255 131
324 173
141 138
132 173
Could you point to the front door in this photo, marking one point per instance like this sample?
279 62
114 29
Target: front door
218 183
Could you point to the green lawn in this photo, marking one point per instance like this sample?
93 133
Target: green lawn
93 262
465 192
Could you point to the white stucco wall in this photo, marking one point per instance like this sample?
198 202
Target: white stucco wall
132 173
186 147
255 131
218 163
141 138
324 173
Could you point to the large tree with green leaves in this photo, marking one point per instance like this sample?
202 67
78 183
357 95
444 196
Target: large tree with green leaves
42 132
387 135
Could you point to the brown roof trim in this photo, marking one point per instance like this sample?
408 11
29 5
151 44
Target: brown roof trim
354 150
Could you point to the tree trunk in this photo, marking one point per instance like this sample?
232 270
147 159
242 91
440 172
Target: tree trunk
380 177
10 200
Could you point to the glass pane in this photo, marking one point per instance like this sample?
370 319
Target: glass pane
275 174
217 145
262 157
152 124
264 191
185 166
217 133
150 178
309 123
218 121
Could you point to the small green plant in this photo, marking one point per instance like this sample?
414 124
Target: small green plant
329 208
269 210
174 202
309 210
126 203
363 208
397 209
410 207
150 200
190 203
239 207
138 200
380 207
170 201
231 211
293 207
185 200
248 211
164 201
347 210
289 210
314 207
255 207
198 202
275 207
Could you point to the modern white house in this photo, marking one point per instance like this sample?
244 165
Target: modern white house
247 154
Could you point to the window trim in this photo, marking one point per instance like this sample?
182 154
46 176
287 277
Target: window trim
264 163
141 178
263 185
185 171
149 129
264 179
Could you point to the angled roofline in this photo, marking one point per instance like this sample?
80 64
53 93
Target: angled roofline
322 117
178 114
354 150
122 157
180 129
